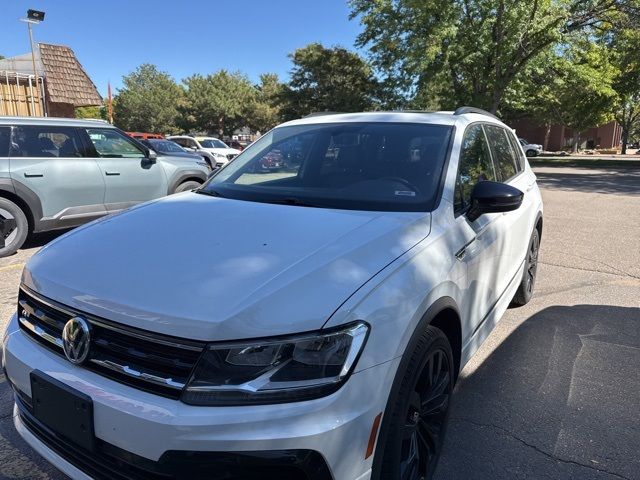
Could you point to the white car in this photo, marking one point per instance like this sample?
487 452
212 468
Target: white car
530 149
215 151
320 339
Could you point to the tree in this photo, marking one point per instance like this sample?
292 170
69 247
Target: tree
587 98
329 79
98 111
625 47
220 102
266 109
457 52
148 101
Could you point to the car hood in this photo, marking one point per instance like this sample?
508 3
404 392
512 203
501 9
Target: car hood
223 151
181 155
208 268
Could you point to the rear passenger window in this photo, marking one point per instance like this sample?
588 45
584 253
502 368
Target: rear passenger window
520 158
46 141
475 165
5 138
503 155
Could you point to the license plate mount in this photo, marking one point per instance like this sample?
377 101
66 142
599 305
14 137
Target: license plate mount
64 410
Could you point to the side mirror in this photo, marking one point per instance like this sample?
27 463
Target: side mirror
491 197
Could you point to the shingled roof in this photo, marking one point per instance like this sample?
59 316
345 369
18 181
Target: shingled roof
65 79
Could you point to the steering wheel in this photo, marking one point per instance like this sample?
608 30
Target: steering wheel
403 181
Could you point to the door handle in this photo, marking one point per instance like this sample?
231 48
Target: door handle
530 187
112 174
463 251
33 175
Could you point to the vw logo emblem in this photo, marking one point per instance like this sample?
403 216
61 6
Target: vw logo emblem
76 337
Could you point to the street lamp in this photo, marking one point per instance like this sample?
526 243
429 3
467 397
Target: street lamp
33 16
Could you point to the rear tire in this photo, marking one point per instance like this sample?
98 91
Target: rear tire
413 431
190 185
14 227
531 153
528 283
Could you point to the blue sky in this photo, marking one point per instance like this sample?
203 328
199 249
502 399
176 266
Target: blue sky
113 37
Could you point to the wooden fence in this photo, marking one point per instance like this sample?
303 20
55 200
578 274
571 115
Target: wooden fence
21 95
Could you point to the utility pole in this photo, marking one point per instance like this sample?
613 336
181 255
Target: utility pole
34 16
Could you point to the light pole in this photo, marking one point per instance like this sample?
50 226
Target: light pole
33 16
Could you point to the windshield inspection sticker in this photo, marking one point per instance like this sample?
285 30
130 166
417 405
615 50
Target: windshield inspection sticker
405 193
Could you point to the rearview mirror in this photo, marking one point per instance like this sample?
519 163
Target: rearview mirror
491 197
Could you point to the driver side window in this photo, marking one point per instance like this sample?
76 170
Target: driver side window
475 166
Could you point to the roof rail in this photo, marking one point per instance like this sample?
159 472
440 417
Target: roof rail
463 110
319 114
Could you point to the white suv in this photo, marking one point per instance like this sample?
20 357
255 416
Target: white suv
323 336
215 152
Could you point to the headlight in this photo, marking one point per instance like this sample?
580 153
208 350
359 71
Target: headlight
219 155
203 164
280 370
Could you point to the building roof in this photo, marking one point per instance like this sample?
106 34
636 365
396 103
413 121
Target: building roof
65 79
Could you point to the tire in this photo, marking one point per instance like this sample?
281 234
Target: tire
413 433
528 282
531 153
14 227
189 185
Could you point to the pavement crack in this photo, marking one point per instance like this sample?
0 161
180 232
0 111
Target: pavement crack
589 270
623 272
539 450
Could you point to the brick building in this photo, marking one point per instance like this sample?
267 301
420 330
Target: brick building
561 138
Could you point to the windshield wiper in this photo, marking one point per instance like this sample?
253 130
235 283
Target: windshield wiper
296 202
209 192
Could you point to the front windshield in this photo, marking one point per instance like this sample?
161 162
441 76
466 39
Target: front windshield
356 166
166 146
213 143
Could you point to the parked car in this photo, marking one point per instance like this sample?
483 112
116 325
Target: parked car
60 173
321 338
530 149
144 136
235 144
167 147
215 151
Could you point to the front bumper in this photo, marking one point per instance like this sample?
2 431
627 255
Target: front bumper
137 427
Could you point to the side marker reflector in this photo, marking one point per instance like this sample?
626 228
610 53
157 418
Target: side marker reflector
372 437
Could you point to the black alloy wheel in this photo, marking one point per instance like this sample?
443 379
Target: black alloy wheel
425 419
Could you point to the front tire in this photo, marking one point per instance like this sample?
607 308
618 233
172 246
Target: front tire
186 186
14 227
413 433
525 290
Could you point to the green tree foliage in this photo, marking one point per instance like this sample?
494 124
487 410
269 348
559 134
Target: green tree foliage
265 113
454 52
92 112
220 102
624 45
148 101
329 79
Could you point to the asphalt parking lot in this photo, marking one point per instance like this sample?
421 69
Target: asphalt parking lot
555 390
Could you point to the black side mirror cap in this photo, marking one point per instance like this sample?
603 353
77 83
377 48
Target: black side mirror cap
492 197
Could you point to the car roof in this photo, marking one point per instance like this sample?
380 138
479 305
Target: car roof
55 121
403 116
206 138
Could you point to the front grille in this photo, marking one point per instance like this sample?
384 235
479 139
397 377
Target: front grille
231 156
154 363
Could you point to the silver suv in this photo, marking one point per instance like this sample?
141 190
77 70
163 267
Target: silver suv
58 173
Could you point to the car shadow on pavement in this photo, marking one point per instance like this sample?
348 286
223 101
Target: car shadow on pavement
625 181
558 398
38 240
